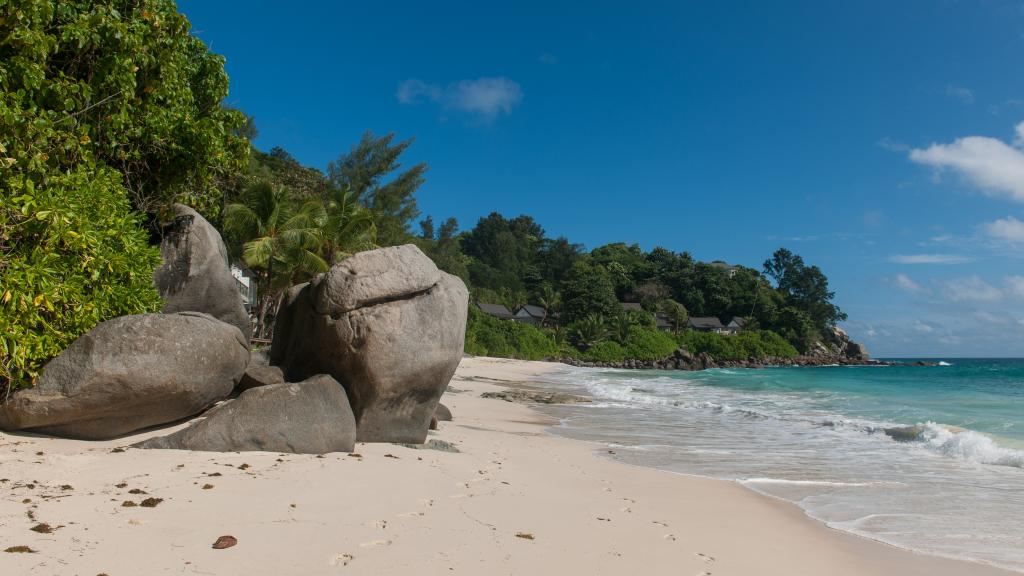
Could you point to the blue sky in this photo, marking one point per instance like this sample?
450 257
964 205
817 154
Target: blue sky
883 141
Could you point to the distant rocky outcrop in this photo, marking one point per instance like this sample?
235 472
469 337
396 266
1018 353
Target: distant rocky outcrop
837 345
389 326
130 373
195 275
309 417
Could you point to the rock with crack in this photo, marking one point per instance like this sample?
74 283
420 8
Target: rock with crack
130 373
389 326
258 374
195 275
309 417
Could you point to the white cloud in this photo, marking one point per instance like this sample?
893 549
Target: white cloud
1015 286
923 327
993 165
484 97
1009 229
970 289
929 259
906 283
960 93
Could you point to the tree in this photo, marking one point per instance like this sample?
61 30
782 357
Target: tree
281 243
105 106
589 331
344 226
372 172
504 250
805 287
588 290
443 247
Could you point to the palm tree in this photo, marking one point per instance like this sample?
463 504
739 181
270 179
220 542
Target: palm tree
549 300
281 243
345 226
590 331
620 327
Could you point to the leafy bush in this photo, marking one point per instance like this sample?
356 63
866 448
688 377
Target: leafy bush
741 346
606 351
647 344
75 255
489 336
105 106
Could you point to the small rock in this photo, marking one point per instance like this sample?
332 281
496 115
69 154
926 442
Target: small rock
42 528
20 550
225 542
524 535
151 502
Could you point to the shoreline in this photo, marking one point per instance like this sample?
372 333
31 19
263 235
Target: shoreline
516 499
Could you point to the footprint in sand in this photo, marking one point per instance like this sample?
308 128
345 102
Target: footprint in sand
375 543
706 558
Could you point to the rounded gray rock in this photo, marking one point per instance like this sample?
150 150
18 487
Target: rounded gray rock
195 275
131 373
309 417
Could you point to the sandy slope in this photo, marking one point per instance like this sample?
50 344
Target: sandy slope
397 510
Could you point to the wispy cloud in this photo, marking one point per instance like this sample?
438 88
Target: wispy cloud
893 145
485 98
906 283
989 163
970 289
960 93
1007 229
943 259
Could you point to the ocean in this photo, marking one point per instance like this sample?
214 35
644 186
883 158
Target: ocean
925 458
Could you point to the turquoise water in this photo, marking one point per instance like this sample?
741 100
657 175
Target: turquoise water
822 438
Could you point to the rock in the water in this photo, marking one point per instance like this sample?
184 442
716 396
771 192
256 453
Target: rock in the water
257 375
534 397
442 413
386 324
196 275
130 373
310 417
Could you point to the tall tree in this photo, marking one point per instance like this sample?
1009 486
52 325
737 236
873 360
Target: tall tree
371 170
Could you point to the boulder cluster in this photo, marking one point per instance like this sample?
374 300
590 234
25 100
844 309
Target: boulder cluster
360 353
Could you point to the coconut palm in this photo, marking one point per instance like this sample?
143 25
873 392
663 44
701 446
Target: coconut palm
589 331
279 241
345 226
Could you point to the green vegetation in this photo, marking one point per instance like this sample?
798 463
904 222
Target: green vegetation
111 111
108 113
488 336
742 346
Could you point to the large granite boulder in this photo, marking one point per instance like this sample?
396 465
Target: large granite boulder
389 326
130 373
195 275
258 374
310 417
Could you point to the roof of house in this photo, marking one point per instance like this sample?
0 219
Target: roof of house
498 310
532 310
631 306
741 322
663 321
705 322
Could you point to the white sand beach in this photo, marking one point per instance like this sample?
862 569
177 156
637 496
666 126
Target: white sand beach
513 500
